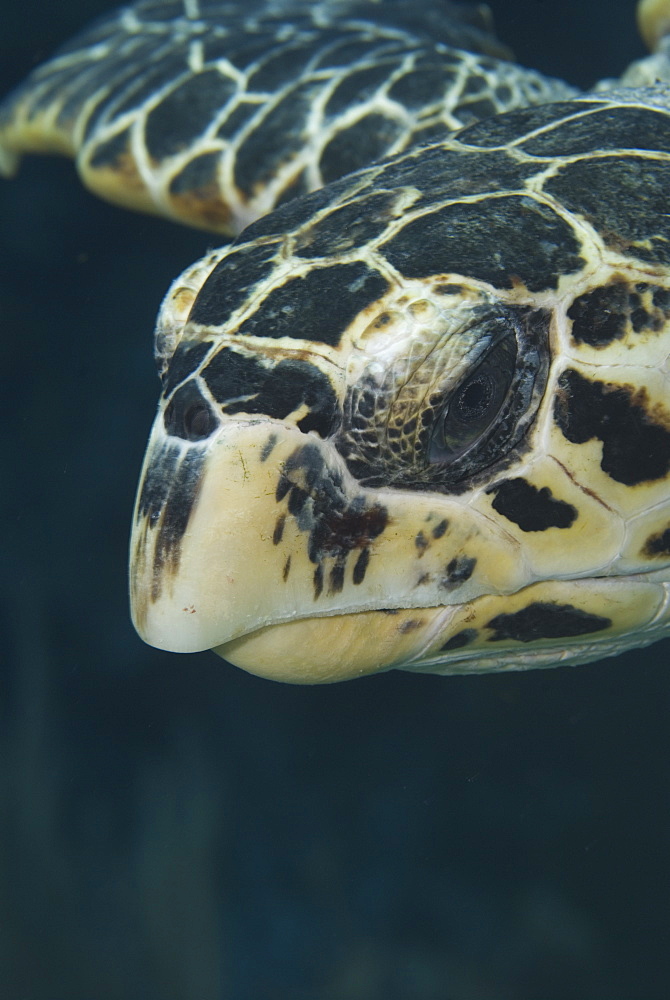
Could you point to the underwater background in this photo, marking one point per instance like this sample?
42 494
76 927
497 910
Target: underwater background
172 828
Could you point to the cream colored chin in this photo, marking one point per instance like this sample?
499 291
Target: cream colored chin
336 648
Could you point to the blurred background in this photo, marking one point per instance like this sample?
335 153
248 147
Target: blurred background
172 828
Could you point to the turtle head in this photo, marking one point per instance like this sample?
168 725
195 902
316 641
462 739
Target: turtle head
416 420
305 502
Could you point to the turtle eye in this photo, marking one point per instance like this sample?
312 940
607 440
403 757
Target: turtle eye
472 407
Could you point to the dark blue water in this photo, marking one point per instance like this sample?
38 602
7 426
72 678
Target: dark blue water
174 829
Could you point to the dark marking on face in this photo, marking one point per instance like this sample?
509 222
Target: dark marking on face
545 620
188 415
286 570
349 529
531 508
410 625
336 577
167 499
181 500
156 484
636 449
337 525
268 447
439 529
296 500
283 487
502 240
360 566
459 640
278 533
610 311
657 546
421 543
458 571
318 306
599 317
243 384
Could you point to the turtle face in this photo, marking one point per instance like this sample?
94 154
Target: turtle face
415 429
324 490
413 494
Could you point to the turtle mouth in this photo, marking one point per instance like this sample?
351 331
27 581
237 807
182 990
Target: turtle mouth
321 650
546 624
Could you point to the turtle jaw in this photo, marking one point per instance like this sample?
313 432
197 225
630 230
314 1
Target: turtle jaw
546 624
338 647
257 542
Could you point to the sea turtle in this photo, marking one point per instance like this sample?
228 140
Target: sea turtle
418 417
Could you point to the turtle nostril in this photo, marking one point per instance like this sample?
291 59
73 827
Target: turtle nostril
188 414
198 423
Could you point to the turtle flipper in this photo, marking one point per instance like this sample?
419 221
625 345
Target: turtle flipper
213 114
32 120
60 109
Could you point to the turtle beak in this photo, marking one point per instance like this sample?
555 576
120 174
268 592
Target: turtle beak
204 546
258 543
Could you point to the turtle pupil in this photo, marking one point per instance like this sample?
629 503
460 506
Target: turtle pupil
475 398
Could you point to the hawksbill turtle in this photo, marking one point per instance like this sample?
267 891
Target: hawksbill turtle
416 414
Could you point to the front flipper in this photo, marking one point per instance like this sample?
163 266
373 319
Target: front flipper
214 117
